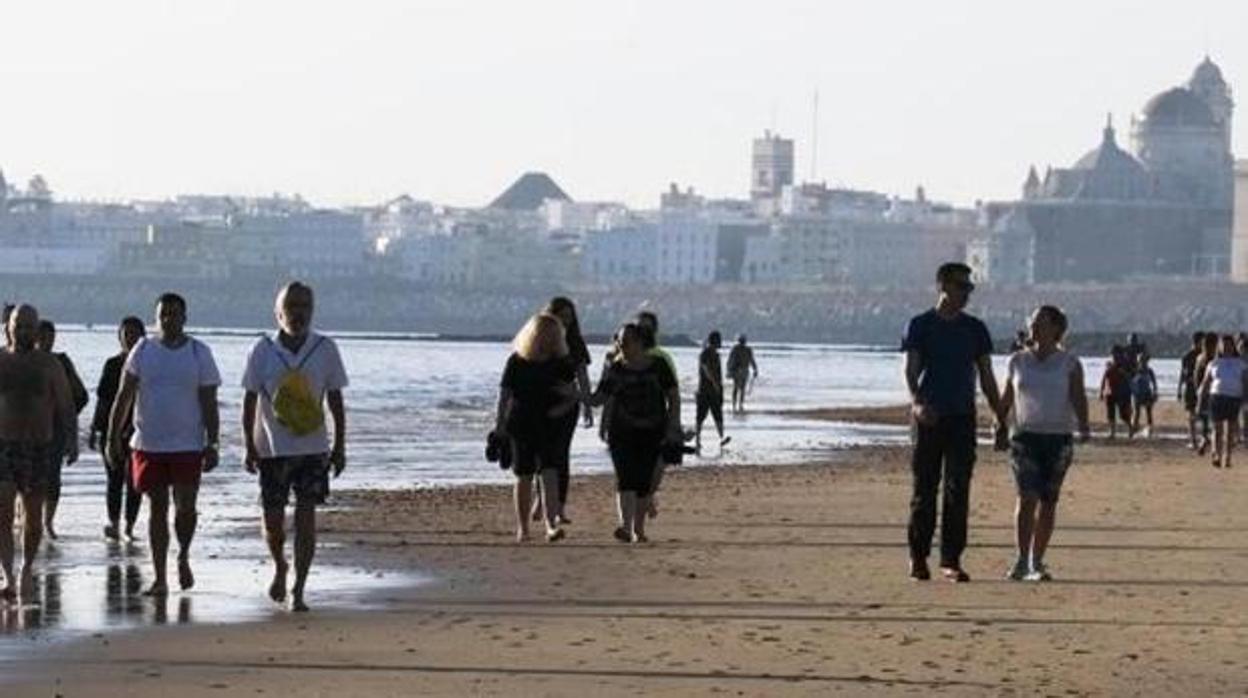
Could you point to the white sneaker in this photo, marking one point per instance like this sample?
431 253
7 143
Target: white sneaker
1039 573
1019 571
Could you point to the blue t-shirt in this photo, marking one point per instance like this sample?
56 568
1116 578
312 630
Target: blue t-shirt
948 350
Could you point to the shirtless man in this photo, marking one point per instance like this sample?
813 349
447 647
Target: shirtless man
34 404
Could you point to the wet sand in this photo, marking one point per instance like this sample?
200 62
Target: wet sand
758 581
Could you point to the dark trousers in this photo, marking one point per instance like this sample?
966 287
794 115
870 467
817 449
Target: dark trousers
119 481
944 451
565 429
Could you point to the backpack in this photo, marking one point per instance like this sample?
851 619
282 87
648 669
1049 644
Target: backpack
295 404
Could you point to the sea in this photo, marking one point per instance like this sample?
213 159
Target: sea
418 411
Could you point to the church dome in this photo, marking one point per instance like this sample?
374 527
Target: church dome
1207 73
1178 107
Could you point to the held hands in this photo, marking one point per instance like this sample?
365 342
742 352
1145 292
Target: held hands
588 415
91 440
923 414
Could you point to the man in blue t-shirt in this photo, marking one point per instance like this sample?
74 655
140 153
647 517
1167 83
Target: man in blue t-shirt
945 350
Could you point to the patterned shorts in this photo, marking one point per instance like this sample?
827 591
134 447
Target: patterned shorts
27 465
307 475
1040 462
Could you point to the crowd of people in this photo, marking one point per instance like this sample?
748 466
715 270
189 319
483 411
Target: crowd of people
157 426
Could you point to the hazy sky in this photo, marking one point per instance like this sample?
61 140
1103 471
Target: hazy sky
354 102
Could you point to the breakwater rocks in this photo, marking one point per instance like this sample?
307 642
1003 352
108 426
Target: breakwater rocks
1100 314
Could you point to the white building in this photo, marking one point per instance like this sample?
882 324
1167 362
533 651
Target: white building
620 255
687 246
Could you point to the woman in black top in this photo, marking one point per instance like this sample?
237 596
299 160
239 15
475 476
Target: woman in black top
534 399
578 363
128 334
645 416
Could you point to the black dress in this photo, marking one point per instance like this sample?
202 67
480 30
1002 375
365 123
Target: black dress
638 421
534 390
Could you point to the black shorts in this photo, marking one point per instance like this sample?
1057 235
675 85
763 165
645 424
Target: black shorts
1224 408
307 475
1120 405
27 465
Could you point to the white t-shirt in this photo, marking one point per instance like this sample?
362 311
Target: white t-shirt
167 416
1228 376
1042 392
267 362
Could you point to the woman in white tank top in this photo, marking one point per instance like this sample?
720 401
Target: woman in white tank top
1044 386
1225 384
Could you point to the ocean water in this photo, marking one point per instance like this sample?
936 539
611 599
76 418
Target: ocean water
418 411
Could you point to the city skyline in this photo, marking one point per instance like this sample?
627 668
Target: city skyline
437 102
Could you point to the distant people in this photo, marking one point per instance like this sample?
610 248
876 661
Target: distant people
945 350
1208 352
1132 351
1225 382
1189 385
535 396
46 341
289 380
35 408
578 358
120 482
1115 392
170 383
710 395
1044 386
644 423
740 365
1143 395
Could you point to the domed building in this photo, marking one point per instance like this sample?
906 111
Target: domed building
1162 210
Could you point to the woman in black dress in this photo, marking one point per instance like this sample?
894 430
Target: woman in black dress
645 416
534 399
578 362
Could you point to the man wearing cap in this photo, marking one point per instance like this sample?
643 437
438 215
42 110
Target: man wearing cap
945 349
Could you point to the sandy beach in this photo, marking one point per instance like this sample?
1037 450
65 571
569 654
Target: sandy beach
758 581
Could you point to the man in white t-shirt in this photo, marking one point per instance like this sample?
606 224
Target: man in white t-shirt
171 381
287 380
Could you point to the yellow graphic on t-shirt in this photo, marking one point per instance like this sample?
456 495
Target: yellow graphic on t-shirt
296 405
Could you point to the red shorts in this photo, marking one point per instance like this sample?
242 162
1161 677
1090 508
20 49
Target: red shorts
152 470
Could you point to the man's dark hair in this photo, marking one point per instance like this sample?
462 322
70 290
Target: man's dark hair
47 326
714 338
947 271
1057 317
171 298
647 317
1197 338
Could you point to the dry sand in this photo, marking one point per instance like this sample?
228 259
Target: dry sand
758 581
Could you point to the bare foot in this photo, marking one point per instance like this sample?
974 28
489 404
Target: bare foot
158 589
186 578
8 595
277 590
297 605
47 528
522 535
110 532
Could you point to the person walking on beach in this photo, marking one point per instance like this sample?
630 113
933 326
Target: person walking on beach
1189 385
945 349
170 383
1208 352
740 364
129 333
535 396
710 395
35 409
1115 392
648 323
1143 395
645 422
1225 382
289 380
578 358
46 341
1044 386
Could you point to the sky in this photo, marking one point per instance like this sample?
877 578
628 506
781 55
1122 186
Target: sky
352 103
